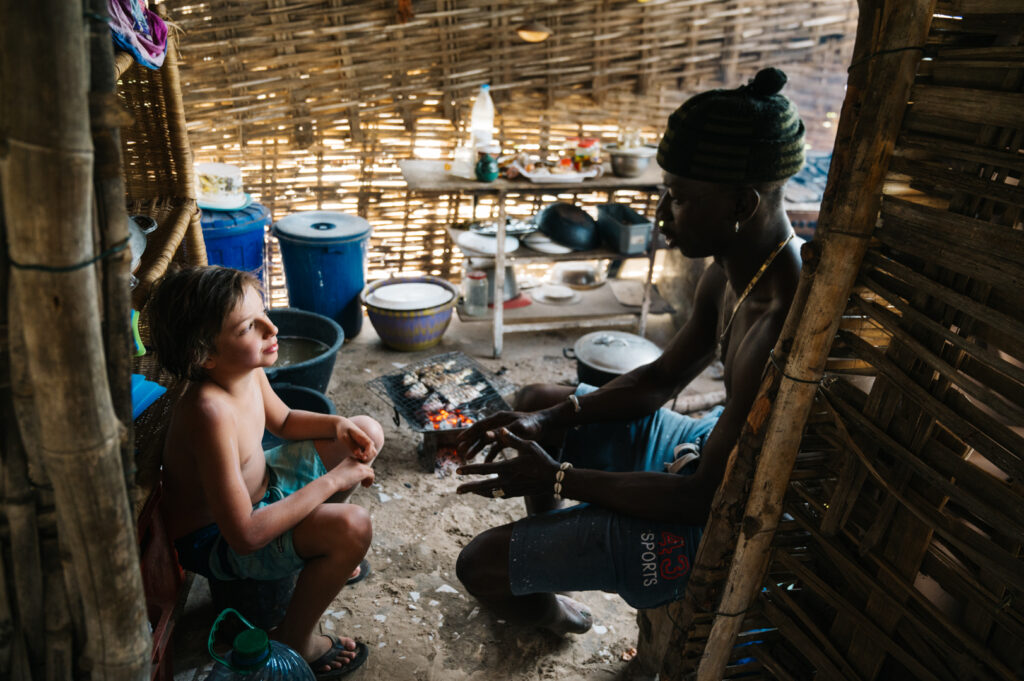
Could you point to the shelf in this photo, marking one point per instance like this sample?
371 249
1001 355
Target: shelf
526 254
597 304
430 176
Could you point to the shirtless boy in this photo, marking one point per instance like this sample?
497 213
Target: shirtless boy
235 511
726 155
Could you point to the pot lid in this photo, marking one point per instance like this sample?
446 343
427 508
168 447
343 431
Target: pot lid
616 352
322 227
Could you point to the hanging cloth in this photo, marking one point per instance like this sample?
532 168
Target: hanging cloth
139 31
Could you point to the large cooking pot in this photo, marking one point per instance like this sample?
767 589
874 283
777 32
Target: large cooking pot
602 355
569 225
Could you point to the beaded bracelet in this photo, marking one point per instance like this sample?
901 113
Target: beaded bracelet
559 476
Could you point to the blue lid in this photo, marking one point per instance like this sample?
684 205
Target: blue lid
322 227
254 215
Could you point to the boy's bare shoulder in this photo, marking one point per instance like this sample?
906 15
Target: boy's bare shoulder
203 406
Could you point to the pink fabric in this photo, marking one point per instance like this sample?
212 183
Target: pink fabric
138 30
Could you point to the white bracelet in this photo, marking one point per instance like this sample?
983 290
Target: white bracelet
575 404
559 476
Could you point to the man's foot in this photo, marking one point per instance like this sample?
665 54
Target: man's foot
340 657
572 617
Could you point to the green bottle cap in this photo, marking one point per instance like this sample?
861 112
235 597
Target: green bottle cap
251 648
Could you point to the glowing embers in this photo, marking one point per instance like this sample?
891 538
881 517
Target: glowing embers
446 419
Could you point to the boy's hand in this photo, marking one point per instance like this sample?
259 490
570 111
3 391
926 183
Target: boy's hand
350 472
358 442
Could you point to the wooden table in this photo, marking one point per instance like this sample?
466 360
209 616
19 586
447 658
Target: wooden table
431 177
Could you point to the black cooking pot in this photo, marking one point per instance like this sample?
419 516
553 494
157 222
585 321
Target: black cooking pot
569 225
602 355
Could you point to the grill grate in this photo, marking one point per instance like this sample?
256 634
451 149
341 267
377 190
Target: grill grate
449 381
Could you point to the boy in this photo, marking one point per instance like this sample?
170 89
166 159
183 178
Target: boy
234 510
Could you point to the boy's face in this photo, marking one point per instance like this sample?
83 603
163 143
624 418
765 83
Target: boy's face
698 218
247 338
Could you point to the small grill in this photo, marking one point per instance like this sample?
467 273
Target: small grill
440 396
450 381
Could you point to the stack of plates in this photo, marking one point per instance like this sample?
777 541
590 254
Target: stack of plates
409 296
544 244
487 245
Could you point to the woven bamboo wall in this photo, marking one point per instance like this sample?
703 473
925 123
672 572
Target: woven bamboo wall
899 553
318 100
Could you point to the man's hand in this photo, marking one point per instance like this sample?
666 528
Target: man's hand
532 472
525 425
358 442
350 472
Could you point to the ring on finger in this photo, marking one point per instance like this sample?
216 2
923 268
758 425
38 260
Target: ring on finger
497 493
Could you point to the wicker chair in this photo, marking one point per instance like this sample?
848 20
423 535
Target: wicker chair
157 158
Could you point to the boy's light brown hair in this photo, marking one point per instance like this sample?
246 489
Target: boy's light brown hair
186 311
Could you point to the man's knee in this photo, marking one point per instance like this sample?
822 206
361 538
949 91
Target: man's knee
483 563
538 396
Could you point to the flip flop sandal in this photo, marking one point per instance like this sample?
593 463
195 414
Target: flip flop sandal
361 651
364 572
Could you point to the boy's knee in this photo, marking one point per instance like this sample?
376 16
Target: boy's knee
372 429
354 526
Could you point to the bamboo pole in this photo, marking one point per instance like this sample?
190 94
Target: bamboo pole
848 214
106 117
46 174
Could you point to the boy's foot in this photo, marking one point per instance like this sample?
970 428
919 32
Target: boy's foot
343 657
361 572
572 617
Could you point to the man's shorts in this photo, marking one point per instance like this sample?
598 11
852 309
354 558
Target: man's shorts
586 547
292 466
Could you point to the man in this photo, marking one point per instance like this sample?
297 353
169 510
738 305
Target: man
646 476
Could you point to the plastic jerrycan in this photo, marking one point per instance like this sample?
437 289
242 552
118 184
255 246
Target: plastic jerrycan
481 120
254 657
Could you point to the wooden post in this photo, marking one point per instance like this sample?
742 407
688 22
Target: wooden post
46 174
849 212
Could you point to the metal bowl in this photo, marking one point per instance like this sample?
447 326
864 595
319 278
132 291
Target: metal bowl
631 162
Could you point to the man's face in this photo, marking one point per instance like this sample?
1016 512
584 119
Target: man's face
698 218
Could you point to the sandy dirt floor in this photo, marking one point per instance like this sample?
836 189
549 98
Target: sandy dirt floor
412 611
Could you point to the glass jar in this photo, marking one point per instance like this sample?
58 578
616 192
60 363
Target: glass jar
475 300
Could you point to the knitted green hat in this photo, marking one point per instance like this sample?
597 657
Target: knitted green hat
744 136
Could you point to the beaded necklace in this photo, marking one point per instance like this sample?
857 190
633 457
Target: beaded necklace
753 282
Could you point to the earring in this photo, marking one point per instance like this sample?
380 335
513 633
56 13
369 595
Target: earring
737 229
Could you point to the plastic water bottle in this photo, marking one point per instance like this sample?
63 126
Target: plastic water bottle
254 657
481 121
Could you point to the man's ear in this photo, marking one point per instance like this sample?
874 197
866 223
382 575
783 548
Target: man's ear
747 201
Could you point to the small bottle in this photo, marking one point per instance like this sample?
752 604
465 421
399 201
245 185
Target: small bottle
254 657
476 294
481 121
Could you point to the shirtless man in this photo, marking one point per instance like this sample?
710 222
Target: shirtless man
726 155
234 510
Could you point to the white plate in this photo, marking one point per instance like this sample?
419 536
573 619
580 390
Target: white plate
552 178
554 294
488 245
544 244
409 296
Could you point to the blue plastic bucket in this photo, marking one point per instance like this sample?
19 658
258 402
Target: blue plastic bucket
324 258
235 238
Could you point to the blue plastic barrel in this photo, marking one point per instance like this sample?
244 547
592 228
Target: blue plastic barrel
324 258
235 238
